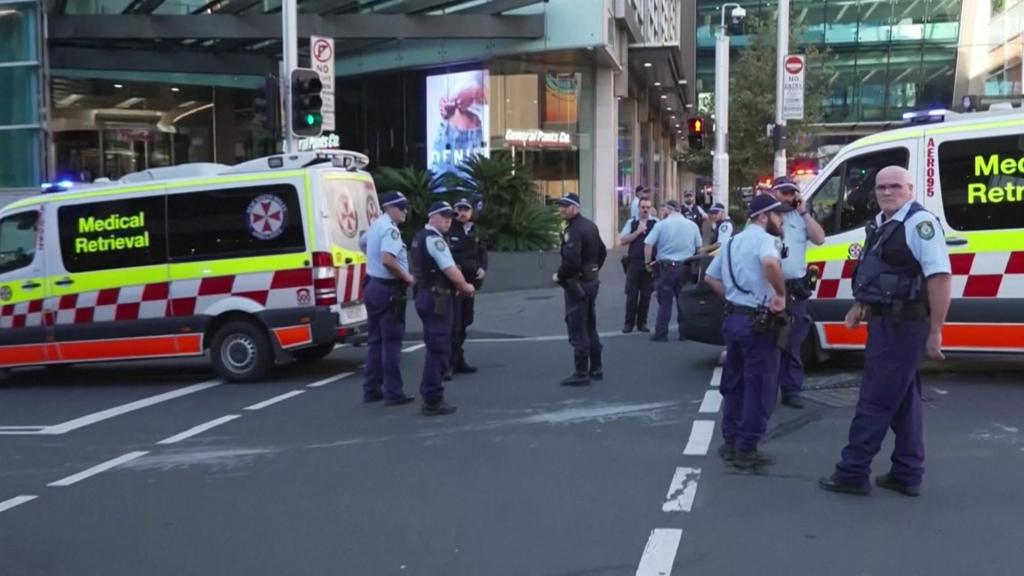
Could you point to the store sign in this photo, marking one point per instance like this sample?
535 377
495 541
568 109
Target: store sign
793 87
321 52
327 142
537 138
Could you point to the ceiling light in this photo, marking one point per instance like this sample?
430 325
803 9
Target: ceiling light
683 81
118 85
689 105
669 109
175 89
648 64
657 83
664 96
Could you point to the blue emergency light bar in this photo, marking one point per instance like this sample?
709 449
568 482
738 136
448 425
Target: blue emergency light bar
927 116
60 186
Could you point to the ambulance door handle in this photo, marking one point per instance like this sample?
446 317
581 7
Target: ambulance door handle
954 241
64 282
30 285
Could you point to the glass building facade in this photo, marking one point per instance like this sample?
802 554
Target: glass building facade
22 99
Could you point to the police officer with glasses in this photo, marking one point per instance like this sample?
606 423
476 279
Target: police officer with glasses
798 228
470 254
388 277
639 280
747 272
902 289
436 275
674 240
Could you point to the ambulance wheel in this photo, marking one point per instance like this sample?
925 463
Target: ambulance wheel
241 352
313 354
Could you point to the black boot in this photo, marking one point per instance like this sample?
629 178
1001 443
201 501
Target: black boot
596 367
581 377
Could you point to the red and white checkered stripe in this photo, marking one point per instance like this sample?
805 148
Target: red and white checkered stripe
982 275
281 289
350 283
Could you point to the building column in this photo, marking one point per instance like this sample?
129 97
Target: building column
224 126
606 134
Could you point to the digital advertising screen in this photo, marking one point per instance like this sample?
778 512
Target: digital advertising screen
457 119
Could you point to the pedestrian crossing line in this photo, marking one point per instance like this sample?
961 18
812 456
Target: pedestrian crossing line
16 501
682 490
414 347
716 377
97 469
700 438
195 430
712 402
327 381
274 400
660 553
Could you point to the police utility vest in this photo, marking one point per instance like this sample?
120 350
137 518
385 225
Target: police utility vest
887 272
465 248
714 235
424 268
692 213
636 247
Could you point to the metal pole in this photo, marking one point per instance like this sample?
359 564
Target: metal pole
782 51
720 174
290 55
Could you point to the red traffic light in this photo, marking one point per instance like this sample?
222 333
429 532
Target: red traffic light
696 125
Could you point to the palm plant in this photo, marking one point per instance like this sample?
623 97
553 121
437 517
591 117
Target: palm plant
421 187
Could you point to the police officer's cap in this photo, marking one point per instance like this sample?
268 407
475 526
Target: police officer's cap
463 203
785 184
569 200
640 189
673 205
441 207
394 199
763 205
716 207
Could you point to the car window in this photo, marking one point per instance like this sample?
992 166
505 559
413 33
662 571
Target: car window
983 182
846 198
115 233
18 240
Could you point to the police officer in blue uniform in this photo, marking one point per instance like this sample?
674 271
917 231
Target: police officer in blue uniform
674 239
583 255
470 254
436 274
747 272
723 228
691 211
387 269
798 228
902 288
639 280
634 206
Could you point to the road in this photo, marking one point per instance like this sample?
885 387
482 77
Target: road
157 468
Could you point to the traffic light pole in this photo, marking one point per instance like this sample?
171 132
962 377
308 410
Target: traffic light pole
781 51
290 54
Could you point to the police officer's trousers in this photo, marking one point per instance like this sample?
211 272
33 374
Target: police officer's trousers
581 321
670 281
890 397
791 364
437 335
462 319
385 308
749 384
639 286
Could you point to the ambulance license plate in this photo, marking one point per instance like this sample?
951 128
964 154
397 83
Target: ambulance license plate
353 315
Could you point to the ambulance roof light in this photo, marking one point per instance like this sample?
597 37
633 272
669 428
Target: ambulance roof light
928 116
299 160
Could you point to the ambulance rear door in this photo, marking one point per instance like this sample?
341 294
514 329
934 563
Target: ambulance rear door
348 206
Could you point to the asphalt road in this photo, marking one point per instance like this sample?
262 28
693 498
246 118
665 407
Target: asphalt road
157 468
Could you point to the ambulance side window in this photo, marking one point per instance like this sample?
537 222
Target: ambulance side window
111 234
846 199
17 241
983 182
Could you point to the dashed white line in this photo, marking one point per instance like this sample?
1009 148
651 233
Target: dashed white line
712 402
199 429
327 381
414 347
716 377
682 490
274 400
660 552
700 438
16 501
74 478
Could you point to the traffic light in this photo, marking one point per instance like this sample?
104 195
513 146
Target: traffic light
307 118
696 128
267 107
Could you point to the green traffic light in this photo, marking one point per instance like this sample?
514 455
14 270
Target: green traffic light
310 119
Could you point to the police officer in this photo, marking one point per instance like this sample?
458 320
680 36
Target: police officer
798 227
470 256
387 269
902 288
722 230
747 272
634 205
583 255
436 273
691 211
674 240
639 281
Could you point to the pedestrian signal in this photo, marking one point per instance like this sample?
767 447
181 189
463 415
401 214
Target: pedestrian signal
696 133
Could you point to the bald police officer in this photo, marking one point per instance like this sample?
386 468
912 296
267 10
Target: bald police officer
798 228
674 239
436 274
747 272
583 255
902 287
387 270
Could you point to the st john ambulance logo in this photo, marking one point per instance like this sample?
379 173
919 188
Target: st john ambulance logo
266 216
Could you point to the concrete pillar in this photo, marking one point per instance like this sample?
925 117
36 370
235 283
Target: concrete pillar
224 125
606 134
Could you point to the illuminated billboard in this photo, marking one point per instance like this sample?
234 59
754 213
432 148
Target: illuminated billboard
457 118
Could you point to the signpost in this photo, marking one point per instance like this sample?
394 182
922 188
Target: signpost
793 88
321 55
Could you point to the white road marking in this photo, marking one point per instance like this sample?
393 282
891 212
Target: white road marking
21 430
716 377
700 438
940 391
109 413
327 381
660 552
414 347
74 478
199 429
712 402
274 400
340 346
16 501
682 490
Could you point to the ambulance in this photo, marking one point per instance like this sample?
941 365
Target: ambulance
968 169
256 264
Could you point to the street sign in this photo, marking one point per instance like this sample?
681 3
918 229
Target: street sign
793 88
321 55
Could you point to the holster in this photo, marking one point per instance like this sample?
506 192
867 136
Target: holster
442 300
799 289
397 307
575 287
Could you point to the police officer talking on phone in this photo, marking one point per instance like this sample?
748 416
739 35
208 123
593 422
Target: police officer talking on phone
639 280
798 228
583 255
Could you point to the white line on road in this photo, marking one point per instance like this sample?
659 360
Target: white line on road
327 381
74 478
682 490
109 413
199 429
274 400
700 438
716 377
21 430
414 347
660 553
712 402
16 501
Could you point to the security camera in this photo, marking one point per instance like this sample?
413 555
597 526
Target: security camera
739 13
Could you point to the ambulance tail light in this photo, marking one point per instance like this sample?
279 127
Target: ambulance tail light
325 282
